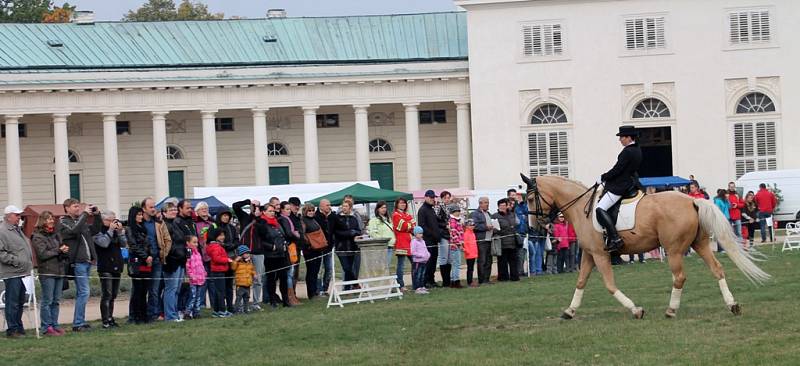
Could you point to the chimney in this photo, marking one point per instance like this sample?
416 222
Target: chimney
83 17
276 13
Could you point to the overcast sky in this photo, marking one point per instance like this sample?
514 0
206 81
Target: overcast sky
115 9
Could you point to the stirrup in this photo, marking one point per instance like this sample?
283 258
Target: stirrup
614 245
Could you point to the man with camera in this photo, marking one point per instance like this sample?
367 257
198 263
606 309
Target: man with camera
77 235
108 245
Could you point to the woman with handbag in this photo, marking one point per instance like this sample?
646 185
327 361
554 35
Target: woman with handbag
53 261
139 265
294 237
313 252
403 226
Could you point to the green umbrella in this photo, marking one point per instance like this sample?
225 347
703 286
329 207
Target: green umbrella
362 194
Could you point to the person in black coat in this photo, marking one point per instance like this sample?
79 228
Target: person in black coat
139 261
248 237
276 261
326 220
431 222
618 181
346 229
109 242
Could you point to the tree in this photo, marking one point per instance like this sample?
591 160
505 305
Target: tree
164 10
23 11
62 14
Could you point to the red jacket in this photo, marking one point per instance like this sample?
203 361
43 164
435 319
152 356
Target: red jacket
403 225
736 204
219 259
697 195
766 201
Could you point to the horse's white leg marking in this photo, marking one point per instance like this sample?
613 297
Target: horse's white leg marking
675 298
726 294
625 301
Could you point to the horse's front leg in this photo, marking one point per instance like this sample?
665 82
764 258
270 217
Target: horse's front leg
587 264
603 263
678 278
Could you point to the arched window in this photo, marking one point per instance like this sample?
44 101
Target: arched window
72 156
650 108
755 102
276 149
547 114
379 145
174 152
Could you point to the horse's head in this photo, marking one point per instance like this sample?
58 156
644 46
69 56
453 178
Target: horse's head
541 205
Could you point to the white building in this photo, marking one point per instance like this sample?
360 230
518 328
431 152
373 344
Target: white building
112 112
709 82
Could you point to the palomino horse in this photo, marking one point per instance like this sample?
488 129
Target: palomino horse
670 219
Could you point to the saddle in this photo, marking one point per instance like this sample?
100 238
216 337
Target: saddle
623 212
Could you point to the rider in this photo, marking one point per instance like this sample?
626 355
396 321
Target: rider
618 181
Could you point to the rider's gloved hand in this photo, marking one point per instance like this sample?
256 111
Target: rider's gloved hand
599 181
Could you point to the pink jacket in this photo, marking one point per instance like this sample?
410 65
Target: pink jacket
195 269
564 233
419 251
456 232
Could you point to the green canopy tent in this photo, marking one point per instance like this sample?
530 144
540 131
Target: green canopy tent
363 194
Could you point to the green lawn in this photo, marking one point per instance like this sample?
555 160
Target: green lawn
504 324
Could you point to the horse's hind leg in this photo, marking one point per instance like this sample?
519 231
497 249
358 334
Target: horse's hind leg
678 278
587 264
603 264
703 249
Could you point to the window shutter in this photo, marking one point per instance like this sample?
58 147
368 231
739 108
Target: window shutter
645 33
755 147
542 40
750 26
548 153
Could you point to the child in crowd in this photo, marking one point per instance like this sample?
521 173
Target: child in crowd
245 272
563 235
197 278
470 251
420 256
456 243
220 263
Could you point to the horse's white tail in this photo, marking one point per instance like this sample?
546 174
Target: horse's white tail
715 224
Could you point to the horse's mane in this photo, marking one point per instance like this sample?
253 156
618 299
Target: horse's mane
567 180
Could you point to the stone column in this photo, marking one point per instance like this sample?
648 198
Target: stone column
310 144
413 163
61 144
362 143
160 167
13 166
464 142
260 139
210 174
111 160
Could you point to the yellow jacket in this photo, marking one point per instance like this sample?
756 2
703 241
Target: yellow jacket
245 271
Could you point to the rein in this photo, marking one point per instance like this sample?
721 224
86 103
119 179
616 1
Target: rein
554 209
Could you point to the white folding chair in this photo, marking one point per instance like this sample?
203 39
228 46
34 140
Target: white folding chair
792 239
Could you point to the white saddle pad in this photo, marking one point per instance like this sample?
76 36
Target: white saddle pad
626 219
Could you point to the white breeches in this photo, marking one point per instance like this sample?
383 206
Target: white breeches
608 200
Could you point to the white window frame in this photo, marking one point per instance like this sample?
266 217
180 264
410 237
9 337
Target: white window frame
759 161
730 46
646 51
547 168
561 56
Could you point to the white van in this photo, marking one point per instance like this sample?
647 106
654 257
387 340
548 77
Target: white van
788 181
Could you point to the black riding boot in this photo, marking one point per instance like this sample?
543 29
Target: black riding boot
613 242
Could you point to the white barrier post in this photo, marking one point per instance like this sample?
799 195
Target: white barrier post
35 310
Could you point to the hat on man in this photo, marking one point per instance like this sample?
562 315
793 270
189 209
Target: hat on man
430 193
242 249
12 209
628 131
295 201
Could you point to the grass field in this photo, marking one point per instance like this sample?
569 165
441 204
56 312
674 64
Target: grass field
504 324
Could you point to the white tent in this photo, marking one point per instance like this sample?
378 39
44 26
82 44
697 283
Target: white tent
229 195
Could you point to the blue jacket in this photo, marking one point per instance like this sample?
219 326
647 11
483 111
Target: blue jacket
521 210
723 206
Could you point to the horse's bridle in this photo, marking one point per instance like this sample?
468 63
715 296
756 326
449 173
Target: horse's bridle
533 188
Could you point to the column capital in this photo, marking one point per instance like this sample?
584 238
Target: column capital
461 104
410 106
360 107
12 118
159 114
259 111
310 109
60 117
209 112
110 116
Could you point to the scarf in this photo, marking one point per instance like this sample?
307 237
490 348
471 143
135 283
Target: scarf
272 221
49 230
291 224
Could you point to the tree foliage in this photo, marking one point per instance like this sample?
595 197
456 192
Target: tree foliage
34 11
165 10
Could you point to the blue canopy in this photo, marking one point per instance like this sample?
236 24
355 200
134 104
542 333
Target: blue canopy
215 206
673 181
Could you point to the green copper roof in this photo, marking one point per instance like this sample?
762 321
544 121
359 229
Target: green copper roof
244 42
